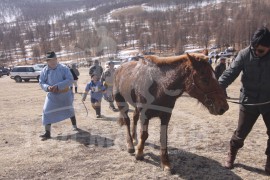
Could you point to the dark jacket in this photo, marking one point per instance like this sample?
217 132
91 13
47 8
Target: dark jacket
75 77
220 68
255 77
96 69
76 71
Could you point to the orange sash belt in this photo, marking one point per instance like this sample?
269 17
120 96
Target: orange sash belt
64 90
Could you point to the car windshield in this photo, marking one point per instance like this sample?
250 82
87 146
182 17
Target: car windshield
39 67
117 62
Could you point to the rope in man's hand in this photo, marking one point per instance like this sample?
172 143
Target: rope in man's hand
249 104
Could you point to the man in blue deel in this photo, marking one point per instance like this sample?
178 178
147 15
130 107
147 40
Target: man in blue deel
55 79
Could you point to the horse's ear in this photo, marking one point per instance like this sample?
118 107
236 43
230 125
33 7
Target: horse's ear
192 59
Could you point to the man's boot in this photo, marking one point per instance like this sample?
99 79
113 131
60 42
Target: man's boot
76 89
267 165
46 136
74 123
231 157
98 115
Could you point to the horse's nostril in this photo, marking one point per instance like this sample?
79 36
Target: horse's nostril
221 111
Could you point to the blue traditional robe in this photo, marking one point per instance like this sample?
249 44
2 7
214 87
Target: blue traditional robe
58 106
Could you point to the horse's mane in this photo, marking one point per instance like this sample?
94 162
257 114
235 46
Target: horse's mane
172 59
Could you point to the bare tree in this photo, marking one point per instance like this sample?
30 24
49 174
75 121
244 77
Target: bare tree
36 53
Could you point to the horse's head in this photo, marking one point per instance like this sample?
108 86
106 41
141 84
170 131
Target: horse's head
203 85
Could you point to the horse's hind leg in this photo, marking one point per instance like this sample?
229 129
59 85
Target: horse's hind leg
143 137
134 127
129 139
124 119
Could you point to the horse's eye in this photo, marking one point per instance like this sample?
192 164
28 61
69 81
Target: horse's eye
202 73
205 80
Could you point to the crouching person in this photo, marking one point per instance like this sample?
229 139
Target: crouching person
96 89
56 79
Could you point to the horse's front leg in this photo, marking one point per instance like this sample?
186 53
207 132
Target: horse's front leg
124 120
143 137
134 127
165 162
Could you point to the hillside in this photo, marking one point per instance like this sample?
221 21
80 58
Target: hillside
92 28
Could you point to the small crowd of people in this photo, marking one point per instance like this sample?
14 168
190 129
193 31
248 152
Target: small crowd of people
58 81
253 62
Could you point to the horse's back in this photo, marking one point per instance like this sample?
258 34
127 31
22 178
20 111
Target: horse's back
131 80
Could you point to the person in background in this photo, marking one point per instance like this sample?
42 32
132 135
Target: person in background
216 59
107 80
96 69
96 90
253 63
205 52
210 61
55 79
75 73
219 69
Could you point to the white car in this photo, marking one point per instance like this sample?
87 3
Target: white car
212 54
225 54
117 64
25 73
39 67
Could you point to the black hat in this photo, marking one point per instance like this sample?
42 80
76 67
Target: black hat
50 55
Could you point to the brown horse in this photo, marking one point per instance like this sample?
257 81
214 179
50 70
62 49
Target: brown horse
152 86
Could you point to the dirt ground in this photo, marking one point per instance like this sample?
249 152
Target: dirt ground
198 141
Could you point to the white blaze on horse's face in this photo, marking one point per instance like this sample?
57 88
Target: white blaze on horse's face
213 75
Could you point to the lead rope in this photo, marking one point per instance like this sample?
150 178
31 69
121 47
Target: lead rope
249 104
85 109
82 94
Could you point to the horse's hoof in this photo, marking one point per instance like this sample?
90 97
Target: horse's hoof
168 170
131 150
139 157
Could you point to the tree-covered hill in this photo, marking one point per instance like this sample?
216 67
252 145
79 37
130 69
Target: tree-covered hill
29 28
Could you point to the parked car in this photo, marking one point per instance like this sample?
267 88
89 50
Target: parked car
39 67
1 73
212 54
225 54
214 47
5 71
230 49
117 64
25 73
133 58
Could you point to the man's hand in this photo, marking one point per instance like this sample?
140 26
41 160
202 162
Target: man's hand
53 89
